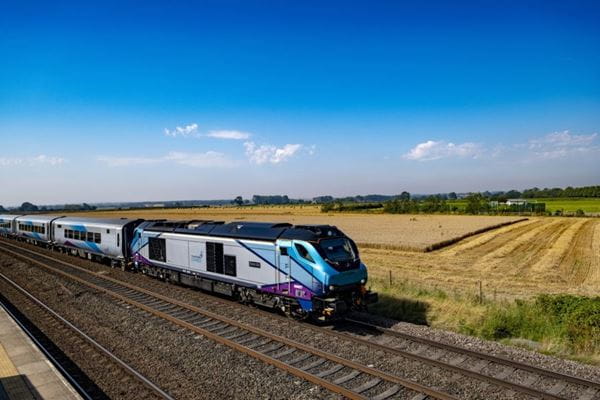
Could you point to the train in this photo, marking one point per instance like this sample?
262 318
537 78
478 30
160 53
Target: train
305 271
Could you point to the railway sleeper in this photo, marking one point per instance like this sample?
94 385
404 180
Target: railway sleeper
367 385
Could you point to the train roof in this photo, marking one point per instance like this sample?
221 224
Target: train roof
8 216
246 229
40 218
114 222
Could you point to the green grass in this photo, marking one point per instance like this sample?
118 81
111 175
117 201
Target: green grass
568 205
563 325
572 205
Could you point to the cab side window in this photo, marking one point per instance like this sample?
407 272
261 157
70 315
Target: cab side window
303 252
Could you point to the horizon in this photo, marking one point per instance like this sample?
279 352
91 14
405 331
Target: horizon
146 101
249 197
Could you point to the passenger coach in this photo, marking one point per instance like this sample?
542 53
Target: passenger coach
107 239
7 225
35 229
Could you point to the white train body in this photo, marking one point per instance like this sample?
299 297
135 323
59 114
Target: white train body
7 224
97 236
34 228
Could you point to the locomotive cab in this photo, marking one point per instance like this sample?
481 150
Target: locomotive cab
332 259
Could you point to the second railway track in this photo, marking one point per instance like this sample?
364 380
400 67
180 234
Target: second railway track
122 374
539 383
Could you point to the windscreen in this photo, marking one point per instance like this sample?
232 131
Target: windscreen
338 249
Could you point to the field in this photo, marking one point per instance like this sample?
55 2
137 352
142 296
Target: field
567 205
465 286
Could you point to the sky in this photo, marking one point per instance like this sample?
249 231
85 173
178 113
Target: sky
146 100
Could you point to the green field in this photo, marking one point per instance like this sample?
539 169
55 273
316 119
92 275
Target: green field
572 205
568 205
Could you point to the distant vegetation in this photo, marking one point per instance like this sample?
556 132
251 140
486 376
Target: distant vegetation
28 207
475 203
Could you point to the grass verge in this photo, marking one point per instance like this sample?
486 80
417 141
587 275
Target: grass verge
566 326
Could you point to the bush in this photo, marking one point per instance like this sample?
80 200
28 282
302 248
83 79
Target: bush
579 213
566 319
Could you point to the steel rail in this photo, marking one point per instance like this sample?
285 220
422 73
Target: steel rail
231 343
72 381
476 354
138 376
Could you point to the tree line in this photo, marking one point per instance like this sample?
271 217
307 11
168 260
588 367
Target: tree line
28 207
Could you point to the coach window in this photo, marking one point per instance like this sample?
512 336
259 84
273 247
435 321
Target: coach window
303 252
97 238
90 236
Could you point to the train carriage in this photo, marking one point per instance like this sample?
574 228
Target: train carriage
35 228
302 270
103 238
7 225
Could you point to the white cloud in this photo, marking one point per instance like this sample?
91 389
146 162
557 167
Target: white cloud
41 159
199 160
268 153
182 130
434 150
561 145
229 134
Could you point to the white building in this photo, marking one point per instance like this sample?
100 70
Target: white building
519 202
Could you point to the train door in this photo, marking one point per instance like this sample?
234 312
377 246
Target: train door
307 265
284 268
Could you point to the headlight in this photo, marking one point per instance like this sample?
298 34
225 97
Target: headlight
331 287
362 281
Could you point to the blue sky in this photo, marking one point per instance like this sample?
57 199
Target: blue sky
299 98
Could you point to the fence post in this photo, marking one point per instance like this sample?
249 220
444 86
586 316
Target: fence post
480 293
390 271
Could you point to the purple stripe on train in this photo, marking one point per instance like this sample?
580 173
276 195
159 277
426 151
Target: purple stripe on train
291 289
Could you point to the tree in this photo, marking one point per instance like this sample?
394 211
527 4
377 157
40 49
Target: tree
452 196
512 194
27 207
405 196
2 209
476 203
239 201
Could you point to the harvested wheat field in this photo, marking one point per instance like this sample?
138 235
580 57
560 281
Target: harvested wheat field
541 255
538 255
398 232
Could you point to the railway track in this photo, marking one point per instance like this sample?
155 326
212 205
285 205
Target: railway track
338 375
503 372
120 371
556 383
